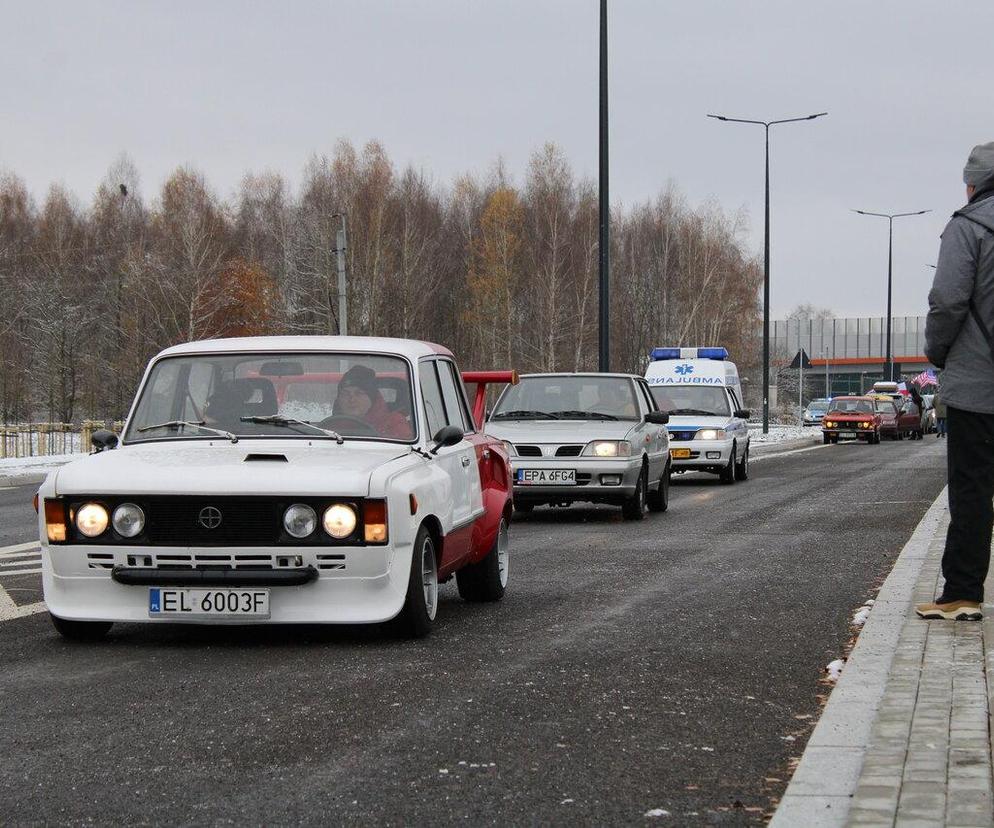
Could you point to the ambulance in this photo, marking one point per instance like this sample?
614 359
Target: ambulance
700 389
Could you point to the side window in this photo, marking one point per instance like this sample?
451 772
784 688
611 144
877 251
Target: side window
432 393
650 403
455 405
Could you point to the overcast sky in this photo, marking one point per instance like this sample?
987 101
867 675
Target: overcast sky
450 85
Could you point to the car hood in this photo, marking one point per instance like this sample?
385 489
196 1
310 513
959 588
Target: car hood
249 467
693 422
560 431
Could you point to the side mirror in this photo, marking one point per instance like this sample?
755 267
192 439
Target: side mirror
447 436
743 413
657 417
104 440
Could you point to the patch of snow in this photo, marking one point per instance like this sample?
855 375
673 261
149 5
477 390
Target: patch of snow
566 802
783 433
657 812
45 462
859 619
834 669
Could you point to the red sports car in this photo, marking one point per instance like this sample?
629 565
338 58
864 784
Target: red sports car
851 418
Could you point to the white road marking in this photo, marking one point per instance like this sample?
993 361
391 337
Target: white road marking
20 559
771 455
9 610
5 551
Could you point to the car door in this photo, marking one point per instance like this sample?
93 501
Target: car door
739 427
656 436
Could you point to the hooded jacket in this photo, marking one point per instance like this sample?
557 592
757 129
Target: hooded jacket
963 290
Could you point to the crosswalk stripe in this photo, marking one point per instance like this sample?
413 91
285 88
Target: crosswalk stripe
7 573
20 560
19 547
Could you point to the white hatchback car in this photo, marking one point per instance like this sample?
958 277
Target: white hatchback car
281 480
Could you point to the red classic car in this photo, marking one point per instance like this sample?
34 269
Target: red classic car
898 419
851 418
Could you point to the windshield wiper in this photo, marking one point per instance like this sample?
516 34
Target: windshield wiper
289 422
695 411
523 415
195 424
576 414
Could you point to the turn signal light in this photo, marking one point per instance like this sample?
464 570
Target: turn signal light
55 520
374 513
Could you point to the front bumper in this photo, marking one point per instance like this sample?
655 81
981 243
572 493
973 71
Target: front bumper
705 455
861 433
336 585
593 480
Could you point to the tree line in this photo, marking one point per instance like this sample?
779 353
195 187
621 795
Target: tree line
504 274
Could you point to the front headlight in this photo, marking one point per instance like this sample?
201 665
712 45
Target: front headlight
608 448
828 423
509 448
339 520
128 520
300 520
711 434
92 519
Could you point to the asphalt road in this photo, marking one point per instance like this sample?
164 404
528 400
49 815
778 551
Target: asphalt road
673 664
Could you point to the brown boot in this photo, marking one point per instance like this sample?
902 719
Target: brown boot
950 610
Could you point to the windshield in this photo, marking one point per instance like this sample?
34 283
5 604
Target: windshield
569 398
691 400
852 407
886 407
818 407
292 395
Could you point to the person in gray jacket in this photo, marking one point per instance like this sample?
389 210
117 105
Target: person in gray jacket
958 339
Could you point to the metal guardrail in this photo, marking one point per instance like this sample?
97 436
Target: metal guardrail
46 439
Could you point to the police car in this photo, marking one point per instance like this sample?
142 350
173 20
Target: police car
700 389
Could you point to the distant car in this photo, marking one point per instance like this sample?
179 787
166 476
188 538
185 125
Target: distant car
594 438
851 418
277 480
815 411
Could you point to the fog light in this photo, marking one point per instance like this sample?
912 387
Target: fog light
610 479
714 455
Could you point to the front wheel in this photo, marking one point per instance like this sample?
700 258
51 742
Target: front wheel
634 507
826 439
524 508
659 500
421 604
742 467
81 630
487 580
727 474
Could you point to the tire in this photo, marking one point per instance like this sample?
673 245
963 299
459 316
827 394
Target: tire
826 439
524 508
81 630
659 500
835 440
727 475
742 468
421 604
634 507
487 580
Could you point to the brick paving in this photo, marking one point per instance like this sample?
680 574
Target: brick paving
928 761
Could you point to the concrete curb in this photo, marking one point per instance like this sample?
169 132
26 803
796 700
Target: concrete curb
821 789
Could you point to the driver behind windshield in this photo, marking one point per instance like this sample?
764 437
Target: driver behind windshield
612 399
360 398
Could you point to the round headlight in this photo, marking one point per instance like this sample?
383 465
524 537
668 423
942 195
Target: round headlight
92 519
128 520
300 520
339 520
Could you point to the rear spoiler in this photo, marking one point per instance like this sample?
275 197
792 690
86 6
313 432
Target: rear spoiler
481 379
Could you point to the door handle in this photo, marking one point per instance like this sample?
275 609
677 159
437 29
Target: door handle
466 461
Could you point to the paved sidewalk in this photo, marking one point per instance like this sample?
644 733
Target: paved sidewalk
905 737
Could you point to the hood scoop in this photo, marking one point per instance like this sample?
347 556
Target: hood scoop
277 458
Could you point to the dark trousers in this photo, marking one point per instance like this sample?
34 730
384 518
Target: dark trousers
970 456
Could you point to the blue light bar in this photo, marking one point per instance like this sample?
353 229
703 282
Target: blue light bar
657 354
712 353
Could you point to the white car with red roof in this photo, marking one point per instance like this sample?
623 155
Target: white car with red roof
282 480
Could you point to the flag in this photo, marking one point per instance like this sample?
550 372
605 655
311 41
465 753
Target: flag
925 378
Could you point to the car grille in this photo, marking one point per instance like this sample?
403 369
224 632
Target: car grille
682 436
528 451
211 561
175 520
569 451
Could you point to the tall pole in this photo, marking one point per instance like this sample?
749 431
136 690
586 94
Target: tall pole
889 356
766 255
604 243
766 295
343 305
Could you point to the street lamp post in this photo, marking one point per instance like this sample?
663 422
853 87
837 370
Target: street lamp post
766 255
889 356
604 237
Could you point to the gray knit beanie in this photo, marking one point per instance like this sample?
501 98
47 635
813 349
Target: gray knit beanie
979 165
